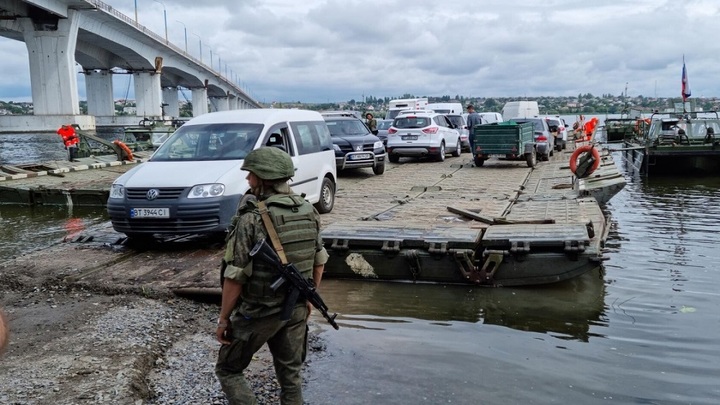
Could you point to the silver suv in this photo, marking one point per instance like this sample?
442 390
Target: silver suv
544 141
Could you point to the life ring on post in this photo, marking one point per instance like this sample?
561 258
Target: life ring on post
125 149
584 149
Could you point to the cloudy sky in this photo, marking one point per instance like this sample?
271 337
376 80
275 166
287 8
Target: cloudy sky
337 50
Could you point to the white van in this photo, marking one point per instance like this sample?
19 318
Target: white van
446 108
193 182
520 109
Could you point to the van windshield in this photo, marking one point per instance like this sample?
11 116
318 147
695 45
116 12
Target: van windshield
209 142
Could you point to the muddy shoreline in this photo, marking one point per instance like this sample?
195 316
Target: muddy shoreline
71 344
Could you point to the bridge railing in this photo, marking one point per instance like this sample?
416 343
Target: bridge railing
111 10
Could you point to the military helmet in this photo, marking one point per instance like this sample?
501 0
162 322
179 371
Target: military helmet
269 163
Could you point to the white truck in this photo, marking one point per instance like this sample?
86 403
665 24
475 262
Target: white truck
520 109
398 105
446 108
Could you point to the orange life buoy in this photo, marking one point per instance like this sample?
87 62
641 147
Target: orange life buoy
584 149
128 152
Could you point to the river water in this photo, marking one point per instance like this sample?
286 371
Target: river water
644 332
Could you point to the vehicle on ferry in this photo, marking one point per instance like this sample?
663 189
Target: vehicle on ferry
677 144
193 183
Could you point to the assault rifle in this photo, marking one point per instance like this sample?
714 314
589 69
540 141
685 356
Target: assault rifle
299 284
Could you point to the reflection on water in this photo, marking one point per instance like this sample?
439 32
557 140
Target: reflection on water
565 310
25 229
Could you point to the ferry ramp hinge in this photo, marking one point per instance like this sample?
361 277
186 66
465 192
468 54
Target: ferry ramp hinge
391 246
438 247
520 247
465 263
574 246
490 266
413 261
340 244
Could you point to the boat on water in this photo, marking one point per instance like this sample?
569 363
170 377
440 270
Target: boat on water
618 130
150 133
677 144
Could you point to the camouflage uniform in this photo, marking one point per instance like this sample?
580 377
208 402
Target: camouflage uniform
256 319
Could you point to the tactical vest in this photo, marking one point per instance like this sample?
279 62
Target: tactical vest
294 220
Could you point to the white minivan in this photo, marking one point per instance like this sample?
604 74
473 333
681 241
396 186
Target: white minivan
193 182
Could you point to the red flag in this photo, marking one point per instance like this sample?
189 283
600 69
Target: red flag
685 84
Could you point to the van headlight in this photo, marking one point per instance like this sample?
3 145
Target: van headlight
117 191
207 190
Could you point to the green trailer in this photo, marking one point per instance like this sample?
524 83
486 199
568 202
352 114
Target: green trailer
508 139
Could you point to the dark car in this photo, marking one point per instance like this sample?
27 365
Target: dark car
383 126
355 147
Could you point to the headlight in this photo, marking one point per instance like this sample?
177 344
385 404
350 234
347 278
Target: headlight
378 145
207 190
337 148
117 191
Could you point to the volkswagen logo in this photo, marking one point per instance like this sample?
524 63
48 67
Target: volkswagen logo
152 194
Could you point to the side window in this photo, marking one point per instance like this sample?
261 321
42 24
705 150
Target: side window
279 136
306 137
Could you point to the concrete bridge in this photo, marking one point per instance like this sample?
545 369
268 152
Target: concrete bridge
60 33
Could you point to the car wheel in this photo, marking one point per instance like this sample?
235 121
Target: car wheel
394 158
479 161
545 157
327 196
531 158
379 168
441 156
458 149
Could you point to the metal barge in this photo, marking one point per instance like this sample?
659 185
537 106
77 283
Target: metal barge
442 222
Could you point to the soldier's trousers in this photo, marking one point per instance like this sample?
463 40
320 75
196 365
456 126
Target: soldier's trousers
287 341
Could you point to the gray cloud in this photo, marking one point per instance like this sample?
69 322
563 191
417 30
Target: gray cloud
320 50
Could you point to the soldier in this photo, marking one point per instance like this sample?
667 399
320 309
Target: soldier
246 292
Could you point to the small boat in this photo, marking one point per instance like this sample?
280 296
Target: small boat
150 133
683 143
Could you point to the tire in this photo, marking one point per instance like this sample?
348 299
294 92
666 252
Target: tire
531 158
458 149
327 196
545 157
379 168
393 158
440 157
479 161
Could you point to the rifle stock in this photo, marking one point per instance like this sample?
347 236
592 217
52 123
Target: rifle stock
289 273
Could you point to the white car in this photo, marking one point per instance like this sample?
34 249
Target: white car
422 134
193 182
558 129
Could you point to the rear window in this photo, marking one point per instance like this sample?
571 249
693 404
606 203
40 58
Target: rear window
411 122
385 124
457 120
537 124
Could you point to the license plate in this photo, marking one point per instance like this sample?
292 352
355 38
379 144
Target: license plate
409 137
360 156
150 213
